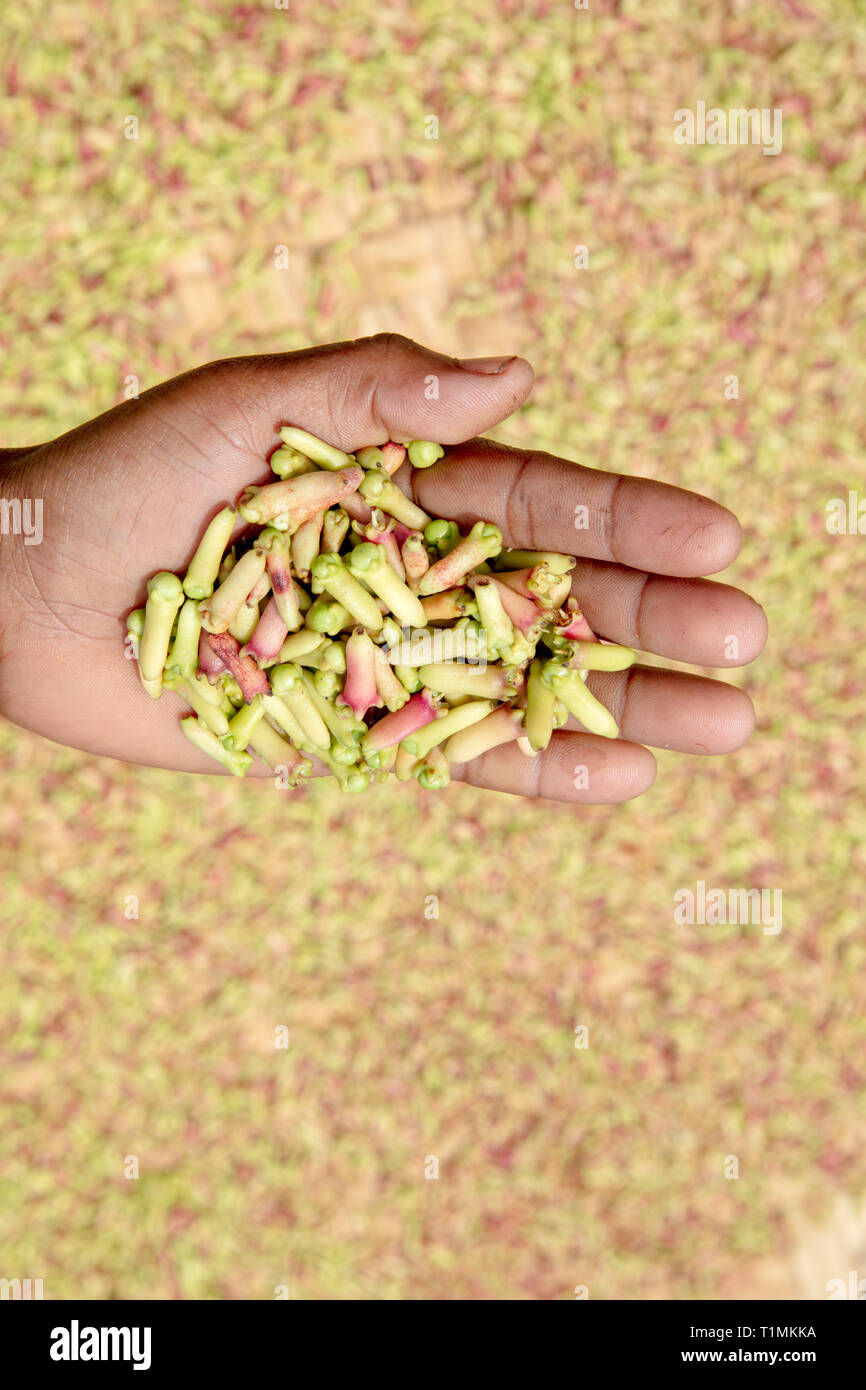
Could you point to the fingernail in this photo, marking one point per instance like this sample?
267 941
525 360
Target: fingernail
485 366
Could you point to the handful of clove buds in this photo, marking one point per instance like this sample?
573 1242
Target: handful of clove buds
348 625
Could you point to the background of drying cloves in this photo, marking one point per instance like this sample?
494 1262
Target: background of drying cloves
416 1037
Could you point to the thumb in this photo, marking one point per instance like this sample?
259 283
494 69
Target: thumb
373 389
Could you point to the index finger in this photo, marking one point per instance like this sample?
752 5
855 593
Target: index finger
542 502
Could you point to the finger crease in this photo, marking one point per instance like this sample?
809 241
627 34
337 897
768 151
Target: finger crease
516 494
611 514
638 618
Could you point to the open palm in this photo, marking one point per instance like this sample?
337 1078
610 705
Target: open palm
129 494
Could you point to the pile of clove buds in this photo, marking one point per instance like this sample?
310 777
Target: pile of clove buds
348 625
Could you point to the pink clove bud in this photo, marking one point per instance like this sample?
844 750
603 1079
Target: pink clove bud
210 665
483 542
360 691
394 456
416 561
421 709
269 635
355 506
572 624
251 680
525 613
295 500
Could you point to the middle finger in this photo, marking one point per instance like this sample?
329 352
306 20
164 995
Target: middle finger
698 621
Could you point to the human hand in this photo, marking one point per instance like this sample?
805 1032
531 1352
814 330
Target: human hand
129 493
